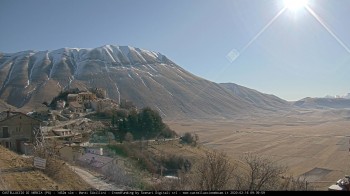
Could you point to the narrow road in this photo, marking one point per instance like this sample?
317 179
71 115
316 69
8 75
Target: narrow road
94 181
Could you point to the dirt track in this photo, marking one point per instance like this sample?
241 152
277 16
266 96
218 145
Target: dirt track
94 181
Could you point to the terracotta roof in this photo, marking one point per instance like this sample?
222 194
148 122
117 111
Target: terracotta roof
75 105
9 114
85 93
58 131
72 95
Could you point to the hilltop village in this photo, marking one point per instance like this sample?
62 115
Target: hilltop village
62 121
85 129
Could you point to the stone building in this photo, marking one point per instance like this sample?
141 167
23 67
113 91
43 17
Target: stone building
17 130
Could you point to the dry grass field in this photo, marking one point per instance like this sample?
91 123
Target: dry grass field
17 173
311 143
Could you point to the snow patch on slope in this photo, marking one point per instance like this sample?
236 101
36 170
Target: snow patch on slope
162 113
57 57
161 86
140 79
9 75
125 50
39 57
109 52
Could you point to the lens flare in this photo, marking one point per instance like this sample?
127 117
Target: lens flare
295 5
319 19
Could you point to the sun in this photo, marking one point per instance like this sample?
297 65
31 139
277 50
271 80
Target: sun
295 5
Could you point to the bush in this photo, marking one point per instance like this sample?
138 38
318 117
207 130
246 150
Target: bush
167 132
174 163
264 173
118 149
132 151
190 139
214 172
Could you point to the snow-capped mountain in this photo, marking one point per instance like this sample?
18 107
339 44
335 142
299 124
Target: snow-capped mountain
347 96
147 78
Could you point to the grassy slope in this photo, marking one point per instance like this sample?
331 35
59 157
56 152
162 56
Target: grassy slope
18 173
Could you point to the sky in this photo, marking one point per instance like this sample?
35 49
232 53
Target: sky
258 44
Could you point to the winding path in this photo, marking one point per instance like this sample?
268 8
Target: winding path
94 181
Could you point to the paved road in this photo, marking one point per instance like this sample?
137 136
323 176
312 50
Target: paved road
94 181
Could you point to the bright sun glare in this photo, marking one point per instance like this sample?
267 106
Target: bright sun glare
295 5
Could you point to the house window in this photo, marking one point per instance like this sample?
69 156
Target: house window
5 132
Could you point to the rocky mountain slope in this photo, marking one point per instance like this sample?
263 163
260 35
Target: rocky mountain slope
147 78
256 98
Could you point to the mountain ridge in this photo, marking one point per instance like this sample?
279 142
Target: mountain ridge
147 78
346 96
323 103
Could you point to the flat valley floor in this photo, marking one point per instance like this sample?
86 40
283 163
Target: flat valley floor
314 143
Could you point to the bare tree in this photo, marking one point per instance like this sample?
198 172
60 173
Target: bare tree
264 173
294 184
117 174
214 171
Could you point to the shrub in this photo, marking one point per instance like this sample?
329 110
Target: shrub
189 138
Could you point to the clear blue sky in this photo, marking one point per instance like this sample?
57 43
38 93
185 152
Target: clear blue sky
293 58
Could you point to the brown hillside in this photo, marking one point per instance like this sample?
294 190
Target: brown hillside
18 173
